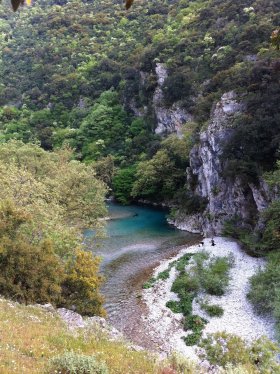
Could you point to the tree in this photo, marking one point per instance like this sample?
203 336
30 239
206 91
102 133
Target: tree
123 183
80 289
28 273
50 198
157 178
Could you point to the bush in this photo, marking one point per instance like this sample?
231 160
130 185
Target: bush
222 348
212 310
185 283
28 273
215 278
80 289
150 283
73 363
264 296
175 306
194 323
226 349
211 276
192 339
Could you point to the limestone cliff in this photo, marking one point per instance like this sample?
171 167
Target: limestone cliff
227 198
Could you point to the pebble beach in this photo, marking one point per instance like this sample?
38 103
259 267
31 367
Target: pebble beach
239 317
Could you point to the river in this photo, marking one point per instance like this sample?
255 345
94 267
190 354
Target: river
138 238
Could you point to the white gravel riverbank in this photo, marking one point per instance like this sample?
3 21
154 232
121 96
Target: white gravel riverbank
238 318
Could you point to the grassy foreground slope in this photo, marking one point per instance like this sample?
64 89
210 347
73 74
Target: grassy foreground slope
30 336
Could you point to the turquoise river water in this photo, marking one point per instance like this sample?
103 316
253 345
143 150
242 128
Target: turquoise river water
138 238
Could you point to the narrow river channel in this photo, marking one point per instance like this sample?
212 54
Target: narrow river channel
138 238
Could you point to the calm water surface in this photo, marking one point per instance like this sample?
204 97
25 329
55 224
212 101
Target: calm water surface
137 239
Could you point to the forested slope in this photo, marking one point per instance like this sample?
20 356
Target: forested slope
59 59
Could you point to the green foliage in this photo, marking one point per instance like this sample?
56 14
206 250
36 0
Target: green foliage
265 297
203 274
265 284
215 278
80 288
185 283
29 273
123 184
163 275
212 310
105 169
45 198
183 261
174 306
150 283
254 144
102 130
223 349
87 79
176 87
74 363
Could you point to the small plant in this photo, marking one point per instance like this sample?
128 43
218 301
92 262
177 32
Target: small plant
185 283
180 266
164 275
73 363
192 339
215 278
183 262
212 310
174 306
150 283
194 323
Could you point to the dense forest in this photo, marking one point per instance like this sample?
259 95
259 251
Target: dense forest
78 123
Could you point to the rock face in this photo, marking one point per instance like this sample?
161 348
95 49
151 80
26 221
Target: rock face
169 120
227 198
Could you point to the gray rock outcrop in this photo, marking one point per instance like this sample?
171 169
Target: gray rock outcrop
169 120
227 197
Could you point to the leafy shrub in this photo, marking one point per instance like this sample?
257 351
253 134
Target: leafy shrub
215 278
81 285
150 283
212 310
28 273
74 363
264 297
184 284
194 323
183 261
222 348
163 275
193 338
226 349
175 306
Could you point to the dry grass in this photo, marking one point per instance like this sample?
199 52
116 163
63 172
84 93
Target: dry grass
29 336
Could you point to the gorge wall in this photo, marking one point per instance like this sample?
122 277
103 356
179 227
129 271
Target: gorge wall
227 198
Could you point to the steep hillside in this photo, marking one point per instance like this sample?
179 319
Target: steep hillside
114 85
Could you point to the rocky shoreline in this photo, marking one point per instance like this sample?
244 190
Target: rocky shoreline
239 317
